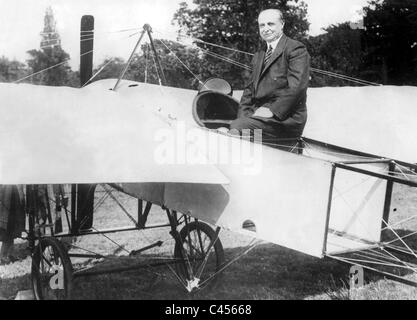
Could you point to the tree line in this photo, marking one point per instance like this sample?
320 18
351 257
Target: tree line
50 56
382 48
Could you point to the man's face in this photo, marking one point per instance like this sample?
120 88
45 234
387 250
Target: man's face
270 25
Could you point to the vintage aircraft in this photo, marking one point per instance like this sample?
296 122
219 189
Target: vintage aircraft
162 146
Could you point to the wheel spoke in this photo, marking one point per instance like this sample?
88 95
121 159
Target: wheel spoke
200 241
203 250
47 262
45 265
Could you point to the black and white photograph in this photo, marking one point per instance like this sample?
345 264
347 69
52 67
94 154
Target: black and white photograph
198 152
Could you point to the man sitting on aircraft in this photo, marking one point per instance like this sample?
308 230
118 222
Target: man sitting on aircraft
275 98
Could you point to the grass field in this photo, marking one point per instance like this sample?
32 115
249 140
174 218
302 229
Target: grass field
267 272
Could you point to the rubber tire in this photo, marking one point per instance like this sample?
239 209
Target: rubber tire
62 254
218 249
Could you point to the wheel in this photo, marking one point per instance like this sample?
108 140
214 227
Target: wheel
51 271
204 260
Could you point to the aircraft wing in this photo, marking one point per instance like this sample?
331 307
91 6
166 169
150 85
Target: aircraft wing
63 135
376 120
54 135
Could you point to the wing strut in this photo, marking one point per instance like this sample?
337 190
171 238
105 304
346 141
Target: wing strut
146 28
158 61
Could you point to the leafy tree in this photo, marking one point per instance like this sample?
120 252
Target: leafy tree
183 65
143 65
390 40
383 50
110 68
233 24
11 70
49 55
73 79
339 50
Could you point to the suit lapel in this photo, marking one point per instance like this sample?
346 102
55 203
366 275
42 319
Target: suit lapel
258 67
276 54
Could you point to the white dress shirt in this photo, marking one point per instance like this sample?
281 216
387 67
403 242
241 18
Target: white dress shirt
274 43
262 111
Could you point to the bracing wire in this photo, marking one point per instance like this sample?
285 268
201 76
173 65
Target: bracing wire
98 72
400 238
84 37
215 55
327 73
156 69
51 67
227 59
107 32
41 71
249 248
343 77
375 258
108 193
146 63
218 46
185 66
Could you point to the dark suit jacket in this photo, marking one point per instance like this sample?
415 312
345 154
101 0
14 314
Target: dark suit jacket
281 86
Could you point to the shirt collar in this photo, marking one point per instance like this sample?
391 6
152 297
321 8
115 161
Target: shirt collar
274 43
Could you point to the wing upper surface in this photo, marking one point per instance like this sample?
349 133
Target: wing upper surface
65 135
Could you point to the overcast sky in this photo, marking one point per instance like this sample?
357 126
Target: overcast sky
21 21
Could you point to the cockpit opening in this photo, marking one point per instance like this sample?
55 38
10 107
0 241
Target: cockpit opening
214 107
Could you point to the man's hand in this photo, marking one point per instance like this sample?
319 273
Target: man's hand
263 113
223 130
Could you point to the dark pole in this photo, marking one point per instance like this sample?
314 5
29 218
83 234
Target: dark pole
30 203
83 194
387 202
86 49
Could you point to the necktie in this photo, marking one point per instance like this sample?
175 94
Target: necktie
268 55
